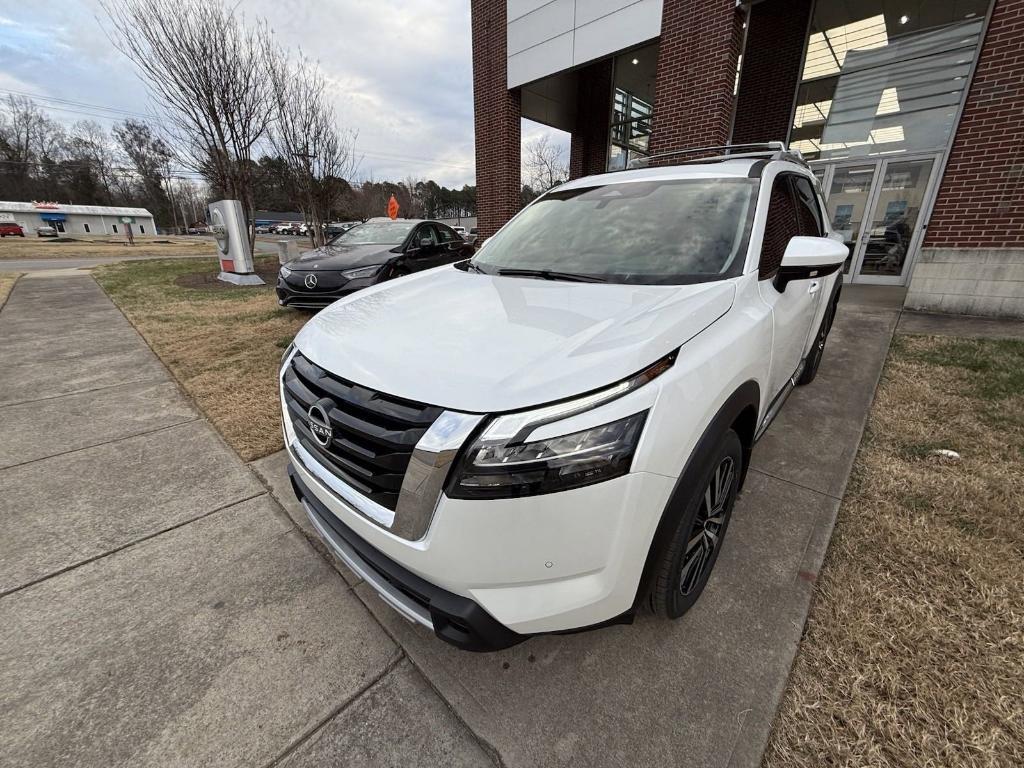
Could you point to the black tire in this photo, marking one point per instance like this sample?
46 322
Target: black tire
810 371
684 569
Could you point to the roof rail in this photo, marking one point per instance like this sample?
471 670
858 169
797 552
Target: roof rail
772 150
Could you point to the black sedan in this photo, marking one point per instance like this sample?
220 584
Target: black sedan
367 254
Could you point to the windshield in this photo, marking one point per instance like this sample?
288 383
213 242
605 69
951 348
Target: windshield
376 232
665 231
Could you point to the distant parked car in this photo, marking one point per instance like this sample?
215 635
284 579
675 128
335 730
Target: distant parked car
471 238
12 229
461 231
46 232
264 229
379 250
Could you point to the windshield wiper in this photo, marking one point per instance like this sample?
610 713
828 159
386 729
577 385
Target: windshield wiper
469 265
548 274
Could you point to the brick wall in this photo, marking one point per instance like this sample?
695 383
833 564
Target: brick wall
981 198
697 56
497 113
588 152
771 70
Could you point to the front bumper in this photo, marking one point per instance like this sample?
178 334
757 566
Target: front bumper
558 562
454 619
289 295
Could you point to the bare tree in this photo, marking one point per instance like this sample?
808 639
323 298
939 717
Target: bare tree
320 156
209 73
544 164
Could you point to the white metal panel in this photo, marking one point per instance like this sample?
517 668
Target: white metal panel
540 25
517 8
551 56
590 10
623 28
547 37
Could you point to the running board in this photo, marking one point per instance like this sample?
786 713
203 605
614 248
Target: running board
779 401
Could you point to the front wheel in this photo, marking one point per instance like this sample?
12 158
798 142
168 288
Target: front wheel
687 563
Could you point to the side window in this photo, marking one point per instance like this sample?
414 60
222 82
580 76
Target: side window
781 225
447 235
426 232
807 208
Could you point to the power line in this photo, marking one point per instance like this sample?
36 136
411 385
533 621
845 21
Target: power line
74 103
153 121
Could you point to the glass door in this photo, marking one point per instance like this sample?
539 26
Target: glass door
879 209
894 228
848 196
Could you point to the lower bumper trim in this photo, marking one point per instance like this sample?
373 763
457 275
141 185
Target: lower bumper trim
455 619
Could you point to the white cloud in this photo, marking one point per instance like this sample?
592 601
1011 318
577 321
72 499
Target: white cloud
400 75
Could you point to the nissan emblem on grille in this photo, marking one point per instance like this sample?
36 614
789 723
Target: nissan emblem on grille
320 424
310 281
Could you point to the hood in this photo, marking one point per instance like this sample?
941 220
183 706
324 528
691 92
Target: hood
342 257
483 343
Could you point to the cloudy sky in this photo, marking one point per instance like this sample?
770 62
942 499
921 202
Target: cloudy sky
401 73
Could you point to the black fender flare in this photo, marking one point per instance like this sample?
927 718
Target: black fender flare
742 409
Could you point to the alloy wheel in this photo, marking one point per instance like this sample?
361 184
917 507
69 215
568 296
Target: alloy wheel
707 527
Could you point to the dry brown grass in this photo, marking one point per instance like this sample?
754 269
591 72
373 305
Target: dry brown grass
913 654
6 283
103 246
224 346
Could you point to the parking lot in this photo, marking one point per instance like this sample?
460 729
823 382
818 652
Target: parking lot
161 606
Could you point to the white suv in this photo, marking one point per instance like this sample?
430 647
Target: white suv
551 435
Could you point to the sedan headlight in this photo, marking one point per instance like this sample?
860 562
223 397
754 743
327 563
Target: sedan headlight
502 463
354 274
285 272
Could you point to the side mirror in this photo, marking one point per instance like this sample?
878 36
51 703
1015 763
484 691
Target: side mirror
809 257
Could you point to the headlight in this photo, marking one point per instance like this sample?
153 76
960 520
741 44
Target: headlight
285 271
353 274
497 469
501 463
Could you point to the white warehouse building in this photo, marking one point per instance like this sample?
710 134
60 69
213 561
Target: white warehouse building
77 219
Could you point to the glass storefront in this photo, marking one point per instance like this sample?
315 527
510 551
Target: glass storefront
884 76
632 106
876 110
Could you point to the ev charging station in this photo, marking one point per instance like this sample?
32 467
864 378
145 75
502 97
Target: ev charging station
227 221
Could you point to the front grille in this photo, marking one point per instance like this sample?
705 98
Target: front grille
374 434
325 281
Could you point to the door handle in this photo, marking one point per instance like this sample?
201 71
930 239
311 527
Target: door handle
813 287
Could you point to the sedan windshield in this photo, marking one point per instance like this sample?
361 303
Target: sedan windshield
376 233
655 232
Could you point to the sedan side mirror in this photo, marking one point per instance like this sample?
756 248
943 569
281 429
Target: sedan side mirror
809 257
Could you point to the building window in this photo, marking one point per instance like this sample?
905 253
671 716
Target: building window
632 106
114 227
87 230
142 230
60 226
879 78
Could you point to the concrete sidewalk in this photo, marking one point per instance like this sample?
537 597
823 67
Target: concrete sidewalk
157 607
702 691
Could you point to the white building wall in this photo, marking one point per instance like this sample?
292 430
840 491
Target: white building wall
548 36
